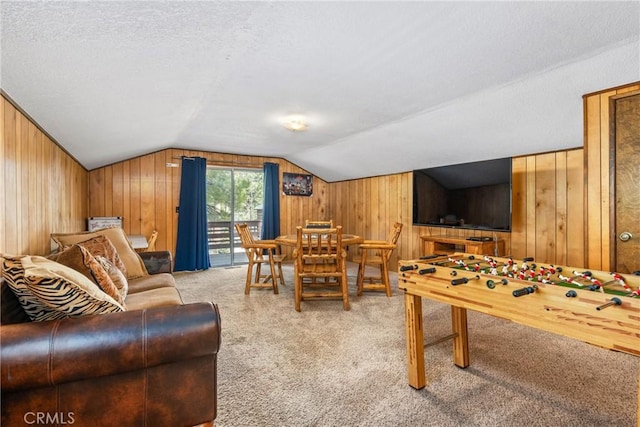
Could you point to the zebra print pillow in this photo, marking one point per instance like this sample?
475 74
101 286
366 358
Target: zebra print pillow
64 291
13 273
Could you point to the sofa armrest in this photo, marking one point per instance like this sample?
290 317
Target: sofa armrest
40 354
157 261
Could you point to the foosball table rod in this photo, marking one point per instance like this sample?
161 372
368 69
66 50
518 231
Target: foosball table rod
612 301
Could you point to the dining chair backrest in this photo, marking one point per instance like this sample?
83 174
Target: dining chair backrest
320 265
246 238
151 242
326 223
320 250
394 235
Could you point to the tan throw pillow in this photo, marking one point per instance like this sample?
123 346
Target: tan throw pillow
13 273
118 279
81 260
132 261
64 290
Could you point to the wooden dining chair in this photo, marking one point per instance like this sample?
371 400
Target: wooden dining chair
376 253
261 252
320 267
151 246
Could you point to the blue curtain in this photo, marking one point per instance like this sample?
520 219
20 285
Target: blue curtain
192 247
271 202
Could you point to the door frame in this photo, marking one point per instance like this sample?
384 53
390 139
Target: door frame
613 232
233 169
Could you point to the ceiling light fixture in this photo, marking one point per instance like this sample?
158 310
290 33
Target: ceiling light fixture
295 123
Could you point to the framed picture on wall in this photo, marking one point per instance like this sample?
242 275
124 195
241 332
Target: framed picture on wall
297 184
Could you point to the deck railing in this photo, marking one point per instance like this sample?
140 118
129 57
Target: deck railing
221 233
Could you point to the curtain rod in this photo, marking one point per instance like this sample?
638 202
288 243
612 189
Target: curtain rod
225 162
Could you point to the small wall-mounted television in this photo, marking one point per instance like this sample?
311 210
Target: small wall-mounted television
473 195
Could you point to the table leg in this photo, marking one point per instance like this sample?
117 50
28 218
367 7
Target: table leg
461 339
415 340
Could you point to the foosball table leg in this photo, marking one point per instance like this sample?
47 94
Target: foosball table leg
461 337
415 340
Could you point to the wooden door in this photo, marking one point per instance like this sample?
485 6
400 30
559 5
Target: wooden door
626 183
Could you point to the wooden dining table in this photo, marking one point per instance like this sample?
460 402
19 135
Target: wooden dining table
292 239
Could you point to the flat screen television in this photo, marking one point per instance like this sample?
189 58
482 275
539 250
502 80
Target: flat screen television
473 195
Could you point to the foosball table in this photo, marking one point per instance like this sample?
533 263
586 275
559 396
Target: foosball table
600 308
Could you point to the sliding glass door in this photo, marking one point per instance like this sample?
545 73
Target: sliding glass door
233 195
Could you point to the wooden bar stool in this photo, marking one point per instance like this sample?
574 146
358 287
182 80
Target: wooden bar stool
260 252
377 253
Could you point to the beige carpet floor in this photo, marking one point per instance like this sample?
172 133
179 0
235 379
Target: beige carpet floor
327 367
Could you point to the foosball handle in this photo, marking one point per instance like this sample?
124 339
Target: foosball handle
460 281
463 280
427 270
527 259
408 267
524 291
431 256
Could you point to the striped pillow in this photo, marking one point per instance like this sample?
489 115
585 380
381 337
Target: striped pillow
13 273
64 291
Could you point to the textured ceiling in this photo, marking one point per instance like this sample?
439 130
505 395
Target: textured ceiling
387 86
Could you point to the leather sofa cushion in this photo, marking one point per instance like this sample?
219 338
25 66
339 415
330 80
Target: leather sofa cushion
11 311
160 297
153 281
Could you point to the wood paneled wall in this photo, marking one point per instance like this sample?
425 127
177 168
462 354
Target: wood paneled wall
548 207
145 192
42 188
548 214
597 145
369 207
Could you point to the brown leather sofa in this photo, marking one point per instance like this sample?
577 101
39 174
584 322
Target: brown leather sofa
152 365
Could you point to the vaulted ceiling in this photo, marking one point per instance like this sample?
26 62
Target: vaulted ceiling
386 87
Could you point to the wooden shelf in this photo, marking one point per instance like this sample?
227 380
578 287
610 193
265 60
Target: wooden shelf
444 244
